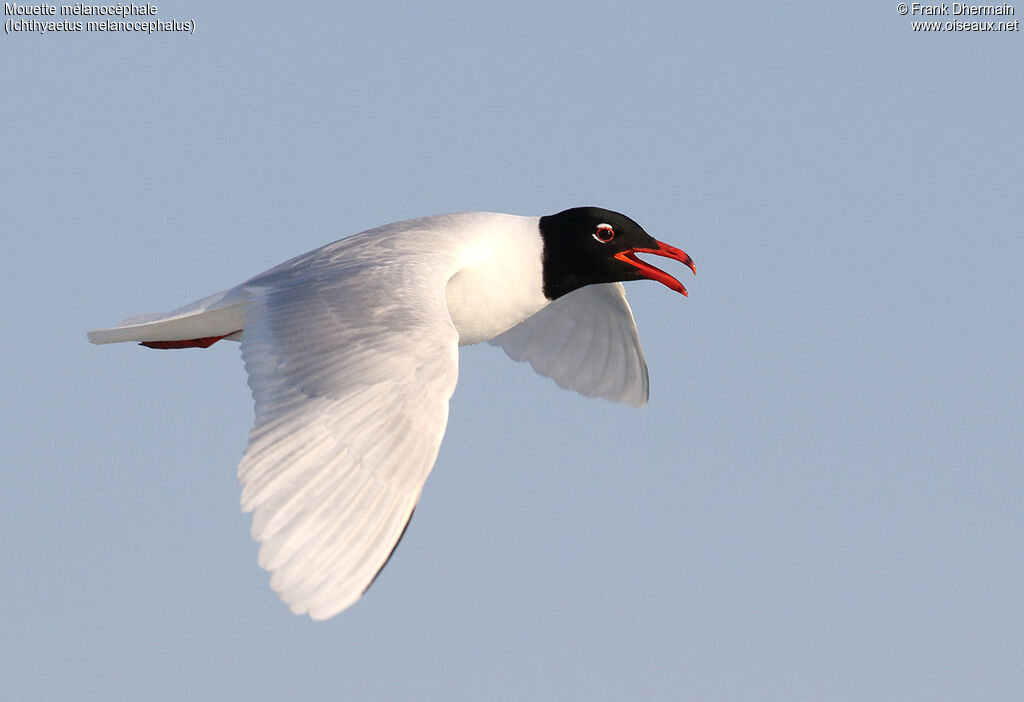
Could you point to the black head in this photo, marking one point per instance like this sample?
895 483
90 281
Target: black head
588 245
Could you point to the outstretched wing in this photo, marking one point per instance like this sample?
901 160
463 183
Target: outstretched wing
585 341
351 373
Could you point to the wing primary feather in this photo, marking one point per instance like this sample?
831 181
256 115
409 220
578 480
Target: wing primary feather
392 551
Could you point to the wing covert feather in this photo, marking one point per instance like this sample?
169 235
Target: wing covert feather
585 341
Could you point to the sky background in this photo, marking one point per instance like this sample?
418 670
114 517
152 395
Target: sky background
823 499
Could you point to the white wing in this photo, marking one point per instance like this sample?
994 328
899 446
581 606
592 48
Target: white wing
585 341
351 372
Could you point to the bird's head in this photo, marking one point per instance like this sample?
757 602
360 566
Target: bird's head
588 245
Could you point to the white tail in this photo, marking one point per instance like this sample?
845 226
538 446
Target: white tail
220 316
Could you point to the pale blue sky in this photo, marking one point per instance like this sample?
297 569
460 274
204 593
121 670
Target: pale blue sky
822 500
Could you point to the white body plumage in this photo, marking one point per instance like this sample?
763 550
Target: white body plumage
351 351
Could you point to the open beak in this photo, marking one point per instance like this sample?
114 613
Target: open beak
649 271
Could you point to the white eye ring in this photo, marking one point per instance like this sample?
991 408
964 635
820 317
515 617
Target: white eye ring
604 233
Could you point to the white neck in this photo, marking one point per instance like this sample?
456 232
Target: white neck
500 280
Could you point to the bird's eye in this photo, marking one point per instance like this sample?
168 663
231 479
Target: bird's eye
604 233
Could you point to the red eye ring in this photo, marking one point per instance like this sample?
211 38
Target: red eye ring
604 233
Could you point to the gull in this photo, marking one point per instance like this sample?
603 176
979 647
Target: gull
351 352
